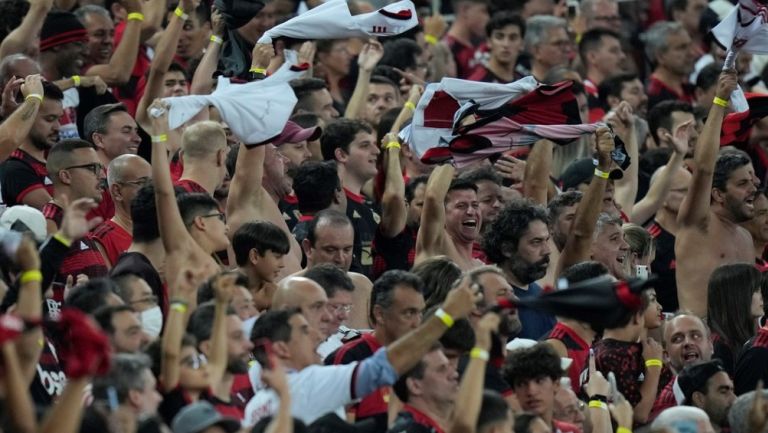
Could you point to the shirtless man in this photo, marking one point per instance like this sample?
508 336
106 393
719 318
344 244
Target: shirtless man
721 196
450 219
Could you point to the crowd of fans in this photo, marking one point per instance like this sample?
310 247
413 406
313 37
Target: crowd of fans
328 279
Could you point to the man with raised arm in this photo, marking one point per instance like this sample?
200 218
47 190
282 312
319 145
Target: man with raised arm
450 220
721 196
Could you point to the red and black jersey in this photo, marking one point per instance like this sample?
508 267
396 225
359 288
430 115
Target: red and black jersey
131 92
752 364
578 351
113 239
83 258
388 252
375 404
365 221
626 361
242 390
664 266
466 56
190 185
483 74
412 420
106 208
596 109
52 211
658 92
21 174
289 207
49 377
665 399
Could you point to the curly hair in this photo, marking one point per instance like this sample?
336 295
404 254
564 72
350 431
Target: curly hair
531 363
509 227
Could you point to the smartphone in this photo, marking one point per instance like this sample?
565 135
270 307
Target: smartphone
641 271
263 351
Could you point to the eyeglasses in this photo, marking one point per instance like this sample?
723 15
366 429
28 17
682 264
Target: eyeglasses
335 309
140 182
218 215
94 167
195 362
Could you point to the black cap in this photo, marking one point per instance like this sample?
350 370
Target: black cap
581 171
694 377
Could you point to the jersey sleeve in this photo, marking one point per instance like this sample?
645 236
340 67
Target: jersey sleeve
17 180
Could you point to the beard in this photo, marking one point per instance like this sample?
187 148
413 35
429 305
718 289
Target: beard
526 272
737 210
40 143
237 366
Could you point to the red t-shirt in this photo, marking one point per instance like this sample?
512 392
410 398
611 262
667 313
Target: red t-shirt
130 93
114 239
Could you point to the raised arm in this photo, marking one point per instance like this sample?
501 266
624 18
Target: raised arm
14 130
21 410
29 307
166 47
537 171
118 71
154 13
657 193
366 61
470 395
25 37
276 379
579 240
224 287
694 211
202 81
432 228
623 122
394 214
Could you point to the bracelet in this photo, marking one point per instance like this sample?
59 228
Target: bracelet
181 307
444 317
136 16
216 40
64 241
256 70
160 138
179 12
76 80
598 404
37 96
623 430
30 276
430 39
602 174
479 353
653 363
410 105
720 101
392 145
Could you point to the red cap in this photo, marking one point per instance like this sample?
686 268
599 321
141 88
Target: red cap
293 133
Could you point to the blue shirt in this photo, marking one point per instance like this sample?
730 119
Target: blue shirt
535 323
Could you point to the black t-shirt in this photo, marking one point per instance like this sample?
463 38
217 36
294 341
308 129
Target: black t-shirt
365 220
133 263
21 174
752 364
49 379
664 267
398 252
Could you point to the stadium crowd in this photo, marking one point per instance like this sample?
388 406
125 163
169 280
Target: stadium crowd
475 216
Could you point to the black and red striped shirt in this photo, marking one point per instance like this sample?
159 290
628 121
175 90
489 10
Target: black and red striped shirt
52 211
114 239
658 91
21 174
577 349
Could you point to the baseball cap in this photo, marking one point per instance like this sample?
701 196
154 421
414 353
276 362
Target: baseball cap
23 218
581 171
199 416
293 133
694 378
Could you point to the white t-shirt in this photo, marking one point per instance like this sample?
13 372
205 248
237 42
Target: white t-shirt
315 391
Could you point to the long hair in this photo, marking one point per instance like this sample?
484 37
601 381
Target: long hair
729 302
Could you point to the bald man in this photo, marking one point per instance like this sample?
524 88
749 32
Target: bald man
309 297
204 152
664 229
126 174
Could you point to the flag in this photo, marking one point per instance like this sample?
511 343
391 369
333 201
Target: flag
256 112
333 20
469 121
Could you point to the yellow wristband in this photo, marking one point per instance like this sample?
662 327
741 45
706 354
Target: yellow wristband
60 237
32 275
160 138
444 317
602 174
256 70
37 96
597 404
479 353
179 12
720 101
392 145
216 40
410 105
179 306
76 80
430 39
135 16
653 363
623 430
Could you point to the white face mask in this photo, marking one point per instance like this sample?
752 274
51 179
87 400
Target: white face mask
152 321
